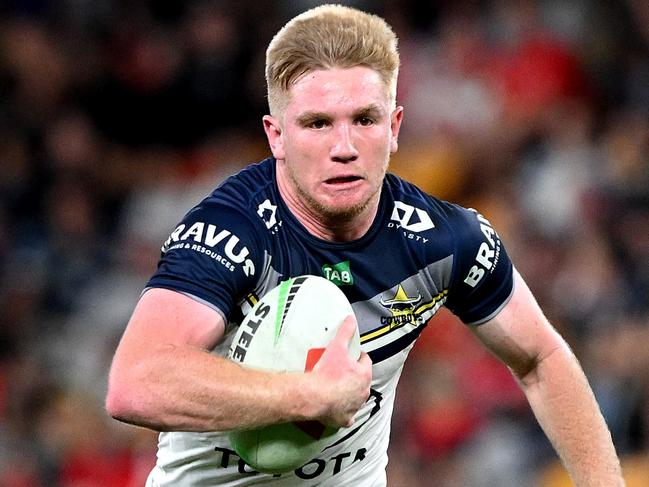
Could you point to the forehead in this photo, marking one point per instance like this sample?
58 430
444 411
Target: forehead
337 89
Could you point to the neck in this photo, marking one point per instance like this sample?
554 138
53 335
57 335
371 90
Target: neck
337 229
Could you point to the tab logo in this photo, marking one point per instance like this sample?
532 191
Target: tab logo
411 218
340 274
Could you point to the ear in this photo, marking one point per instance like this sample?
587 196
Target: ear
274 135
395 125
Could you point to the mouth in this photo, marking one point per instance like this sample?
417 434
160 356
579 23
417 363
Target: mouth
342 180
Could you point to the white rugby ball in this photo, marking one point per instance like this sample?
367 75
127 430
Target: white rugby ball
287 331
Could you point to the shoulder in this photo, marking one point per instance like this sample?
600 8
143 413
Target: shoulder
481 274
235 201
241 189
227 219
217 249
249 180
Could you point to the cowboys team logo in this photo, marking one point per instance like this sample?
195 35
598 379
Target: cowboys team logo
408 312
402 308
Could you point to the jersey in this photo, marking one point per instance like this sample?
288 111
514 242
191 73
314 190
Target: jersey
419 254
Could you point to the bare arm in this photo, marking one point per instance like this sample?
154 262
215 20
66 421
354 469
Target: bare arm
556 388
163 376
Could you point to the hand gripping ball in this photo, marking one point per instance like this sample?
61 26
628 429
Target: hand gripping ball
287 331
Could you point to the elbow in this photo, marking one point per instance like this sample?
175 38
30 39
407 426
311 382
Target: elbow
115 404
129 398
529 374
526 376
121 400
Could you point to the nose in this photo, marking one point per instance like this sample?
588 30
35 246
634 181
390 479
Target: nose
343 148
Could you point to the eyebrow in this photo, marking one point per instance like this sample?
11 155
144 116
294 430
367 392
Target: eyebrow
310 116
370 110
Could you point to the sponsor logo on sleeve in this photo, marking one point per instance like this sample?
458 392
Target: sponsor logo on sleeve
488 254
219 244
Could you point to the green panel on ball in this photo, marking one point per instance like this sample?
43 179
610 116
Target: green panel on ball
278 448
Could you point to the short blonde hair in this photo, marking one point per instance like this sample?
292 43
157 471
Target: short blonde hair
325 37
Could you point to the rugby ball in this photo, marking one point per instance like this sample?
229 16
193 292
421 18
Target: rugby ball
287 330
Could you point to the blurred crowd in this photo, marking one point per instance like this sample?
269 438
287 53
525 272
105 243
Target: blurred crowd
117 116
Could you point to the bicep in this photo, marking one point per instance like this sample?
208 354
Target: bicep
168 318
166 339
520 335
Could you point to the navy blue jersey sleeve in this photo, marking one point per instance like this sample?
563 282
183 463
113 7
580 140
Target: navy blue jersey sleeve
482 277
213 254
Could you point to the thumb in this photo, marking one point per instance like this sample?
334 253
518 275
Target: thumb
346 331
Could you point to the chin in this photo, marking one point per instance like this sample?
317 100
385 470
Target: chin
339 206
343 210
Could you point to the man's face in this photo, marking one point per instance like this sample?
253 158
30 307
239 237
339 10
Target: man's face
334 141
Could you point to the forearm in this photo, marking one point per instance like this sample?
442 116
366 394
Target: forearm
188 389
565 407
163 377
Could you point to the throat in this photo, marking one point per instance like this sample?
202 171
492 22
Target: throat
336 229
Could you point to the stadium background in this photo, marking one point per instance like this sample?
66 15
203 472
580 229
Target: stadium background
116 116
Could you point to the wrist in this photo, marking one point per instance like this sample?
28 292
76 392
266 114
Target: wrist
306 398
